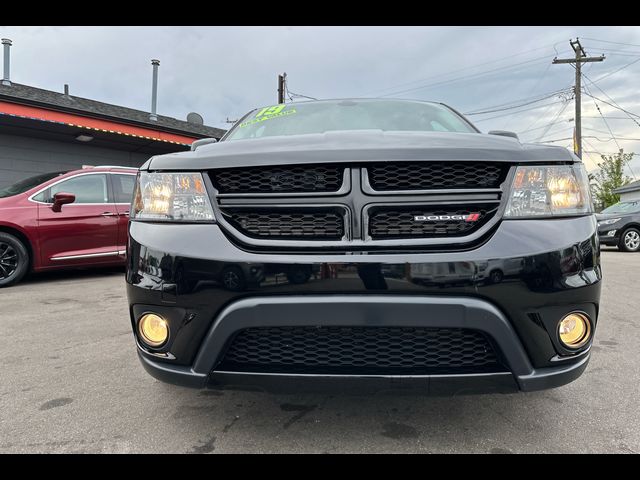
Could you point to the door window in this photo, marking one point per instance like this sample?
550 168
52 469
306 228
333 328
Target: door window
86 188
123 187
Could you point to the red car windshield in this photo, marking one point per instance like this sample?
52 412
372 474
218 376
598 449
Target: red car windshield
27 184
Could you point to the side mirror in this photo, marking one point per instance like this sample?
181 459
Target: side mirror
202 141
504 133
60 199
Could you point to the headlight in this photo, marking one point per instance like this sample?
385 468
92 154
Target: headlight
171 197
549 191
608 222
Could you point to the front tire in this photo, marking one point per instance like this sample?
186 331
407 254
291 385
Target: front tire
14 260
630 240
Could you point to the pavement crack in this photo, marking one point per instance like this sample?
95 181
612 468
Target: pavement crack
228 426
301 409
207 446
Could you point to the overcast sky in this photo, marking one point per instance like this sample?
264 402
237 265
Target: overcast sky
223 72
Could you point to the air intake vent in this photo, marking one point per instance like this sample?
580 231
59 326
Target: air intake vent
360 350
435 175
309 224
294 179
429 221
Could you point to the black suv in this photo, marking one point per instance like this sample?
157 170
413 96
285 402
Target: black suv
619 226
376 244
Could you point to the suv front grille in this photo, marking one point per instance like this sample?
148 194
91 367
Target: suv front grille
360 350
318 224
429 221
435 175
286 179
366 205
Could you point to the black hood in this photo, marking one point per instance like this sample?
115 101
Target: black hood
360 146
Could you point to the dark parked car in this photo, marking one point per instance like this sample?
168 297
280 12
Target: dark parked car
619 226
64 220
390 220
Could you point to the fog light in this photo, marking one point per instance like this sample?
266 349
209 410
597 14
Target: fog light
153 329
574 330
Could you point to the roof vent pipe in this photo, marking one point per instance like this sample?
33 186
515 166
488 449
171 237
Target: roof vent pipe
154 89
6 79
66 89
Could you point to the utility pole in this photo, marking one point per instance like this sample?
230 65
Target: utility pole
281 82
580 58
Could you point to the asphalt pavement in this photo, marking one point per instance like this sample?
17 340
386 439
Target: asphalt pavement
70 381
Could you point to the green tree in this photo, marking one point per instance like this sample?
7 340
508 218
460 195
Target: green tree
609 176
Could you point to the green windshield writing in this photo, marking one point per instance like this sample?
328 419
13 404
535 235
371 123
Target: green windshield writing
268 113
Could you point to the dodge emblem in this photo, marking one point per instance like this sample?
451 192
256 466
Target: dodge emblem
471 217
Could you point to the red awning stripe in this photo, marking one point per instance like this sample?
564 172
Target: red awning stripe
78 121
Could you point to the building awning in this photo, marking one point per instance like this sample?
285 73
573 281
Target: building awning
79 121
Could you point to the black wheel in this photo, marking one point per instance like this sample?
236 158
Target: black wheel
14 260
496 276
233 279
630 240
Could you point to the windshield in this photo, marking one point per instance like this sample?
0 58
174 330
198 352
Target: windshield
27 184
623 207
320 117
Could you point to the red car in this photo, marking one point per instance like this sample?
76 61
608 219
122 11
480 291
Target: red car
65 219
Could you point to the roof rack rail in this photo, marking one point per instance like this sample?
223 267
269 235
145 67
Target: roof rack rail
109 166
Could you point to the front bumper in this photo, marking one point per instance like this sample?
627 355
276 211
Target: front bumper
547 269
609 235
339 310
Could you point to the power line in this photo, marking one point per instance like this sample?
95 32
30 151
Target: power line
590 152
603 119
614 106
508 106
620 150
519 111
453 80
537 85
609 117
605 153
593 136
616 139
460 69
543 114
555 140
297 95
560 112
597 131
623 54
541 126
628 113
613 51
554 132
291 94
608 41
615 71
544 74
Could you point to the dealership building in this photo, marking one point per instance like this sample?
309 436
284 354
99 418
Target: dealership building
45 131
629 192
